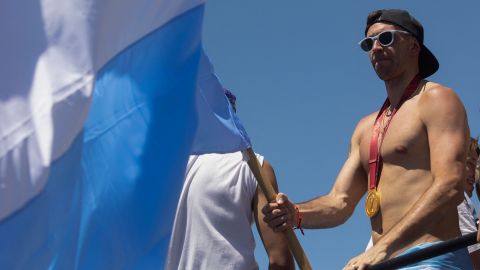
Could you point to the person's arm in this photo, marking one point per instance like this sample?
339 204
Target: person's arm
445 123
332 209
279 256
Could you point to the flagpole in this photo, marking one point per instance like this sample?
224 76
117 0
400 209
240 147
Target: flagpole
271 194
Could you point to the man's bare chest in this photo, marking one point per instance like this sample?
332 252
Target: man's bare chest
404 141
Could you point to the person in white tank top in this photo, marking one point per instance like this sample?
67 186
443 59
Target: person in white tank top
213 225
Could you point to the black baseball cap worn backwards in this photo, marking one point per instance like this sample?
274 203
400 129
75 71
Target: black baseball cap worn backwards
428 63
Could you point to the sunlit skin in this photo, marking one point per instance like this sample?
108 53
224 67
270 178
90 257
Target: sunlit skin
424 155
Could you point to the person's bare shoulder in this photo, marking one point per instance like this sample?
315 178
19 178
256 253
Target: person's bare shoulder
367 121
440 98
435 91
441 106
362 129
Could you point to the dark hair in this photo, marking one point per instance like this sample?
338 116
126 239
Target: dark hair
231 98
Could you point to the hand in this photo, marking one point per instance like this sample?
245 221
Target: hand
371 257
281 214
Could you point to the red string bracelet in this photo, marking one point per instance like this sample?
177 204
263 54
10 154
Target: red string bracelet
299 223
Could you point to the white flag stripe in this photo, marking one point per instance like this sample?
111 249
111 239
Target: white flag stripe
53 50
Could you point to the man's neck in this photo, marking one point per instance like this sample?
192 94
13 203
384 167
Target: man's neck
396 87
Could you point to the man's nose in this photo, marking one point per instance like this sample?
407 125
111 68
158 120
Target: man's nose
376 45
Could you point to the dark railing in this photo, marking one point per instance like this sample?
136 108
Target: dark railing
427 253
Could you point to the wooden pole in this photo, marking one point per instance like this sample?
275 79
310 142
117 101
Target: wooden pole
270 194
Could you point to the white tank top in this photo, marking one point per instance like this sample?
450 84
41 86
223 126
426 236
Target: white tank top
212 228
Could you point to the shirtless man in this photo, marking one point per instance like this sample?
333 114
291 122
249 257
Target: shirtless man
423 138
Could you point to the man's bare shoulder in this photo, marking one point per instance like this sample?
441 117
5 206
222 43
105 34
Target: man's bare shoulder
364 126
441 105
439 97
367 121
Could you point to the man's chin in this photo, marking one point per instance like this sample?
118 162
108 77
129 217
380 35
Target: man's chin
384 76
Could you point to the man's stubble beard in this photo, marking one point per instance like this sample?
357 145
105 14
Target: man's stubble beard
386 73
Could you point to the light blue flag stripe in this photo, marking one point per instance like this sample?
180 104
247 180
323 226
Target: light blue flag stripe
219 128
110 199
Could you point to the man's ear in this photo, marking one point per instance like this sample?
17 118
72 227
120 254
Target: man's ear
415 47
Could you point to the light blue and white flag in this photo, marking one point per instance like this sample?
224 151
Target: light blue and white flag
97 118
219 128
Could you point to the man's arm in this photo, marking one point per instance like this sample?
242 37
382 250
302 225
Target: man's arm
445 123
332 209
275 244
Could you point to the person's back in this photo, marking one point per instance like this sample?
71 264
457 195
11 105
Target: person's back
213 224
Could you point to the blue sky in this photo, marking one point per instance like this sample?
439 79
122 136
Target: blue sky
303 84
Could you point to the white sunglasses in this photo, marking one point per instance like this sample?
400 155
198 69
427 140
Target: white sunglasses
385 38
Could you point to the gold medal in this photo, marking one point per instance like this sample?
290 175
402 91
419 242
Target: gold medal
372 203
